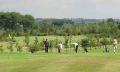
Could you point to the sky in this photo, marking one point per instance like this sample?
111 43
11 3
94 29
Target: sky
64 8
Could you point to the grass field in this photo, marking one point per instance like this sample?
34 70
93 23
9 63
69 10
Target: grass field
65 62
68 61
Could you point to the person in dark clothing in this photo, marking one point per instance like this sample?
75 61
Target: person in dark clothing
76 49
46 45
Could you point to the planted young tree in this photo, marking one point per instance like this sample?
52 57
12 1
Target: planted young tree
92 41
19 48
85 44
42 44
105 42
32 48
3 35
98 38
11 38
10 46
70 41
35 46
36 43
27 40
1 48
53 44
11 42
66 43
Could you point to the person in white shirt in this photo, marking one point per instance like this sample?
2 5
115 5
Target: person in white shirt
76 47
115 45
60 47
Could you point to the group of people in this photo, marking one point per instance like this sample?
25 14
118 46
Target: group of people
47 45
75 45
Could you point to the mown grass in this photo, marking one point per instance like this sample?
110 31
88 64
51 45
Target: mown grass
64 62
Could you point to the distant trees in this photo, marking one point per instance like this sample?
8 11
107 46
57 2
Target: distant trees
17 24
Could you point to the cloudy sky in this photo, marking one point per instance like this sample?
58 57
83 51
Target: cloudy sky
64 8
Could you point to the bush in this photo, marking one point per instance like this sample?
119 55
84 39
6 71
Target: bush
52 44
19 48
104 41
35 46
10 47
11 38
85 42
32 49
68 40
1 48
42 44
27 40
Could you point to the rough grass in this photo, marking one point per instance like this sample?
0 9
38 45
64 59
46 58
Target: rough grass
65 62
20 40
40 38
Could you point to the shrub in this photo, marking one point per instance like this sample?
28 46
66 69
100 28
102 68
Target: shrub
104 41
10 47
85 42
35 46
1 48
11 38
19 48
27 40
68 40
42 44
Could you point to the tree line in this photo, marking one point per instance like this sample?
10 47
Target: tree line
19 25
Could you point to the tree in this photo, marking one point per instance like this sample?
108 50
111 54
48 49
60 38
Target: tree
10 47
85 44
15 22
27 40
27 22
19 48
1 48
105 42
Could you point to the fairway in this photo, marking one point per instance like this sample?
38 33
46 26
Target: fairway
64 62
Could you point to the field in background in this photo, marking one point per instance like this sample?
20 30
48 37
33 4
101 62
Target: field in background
20 40
61 38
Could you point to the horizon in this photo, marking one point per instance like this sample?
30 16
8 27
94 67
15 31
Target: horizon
60 9
78 18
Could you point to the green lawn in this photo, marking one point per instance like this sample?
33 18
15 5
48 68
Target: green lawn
64 62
